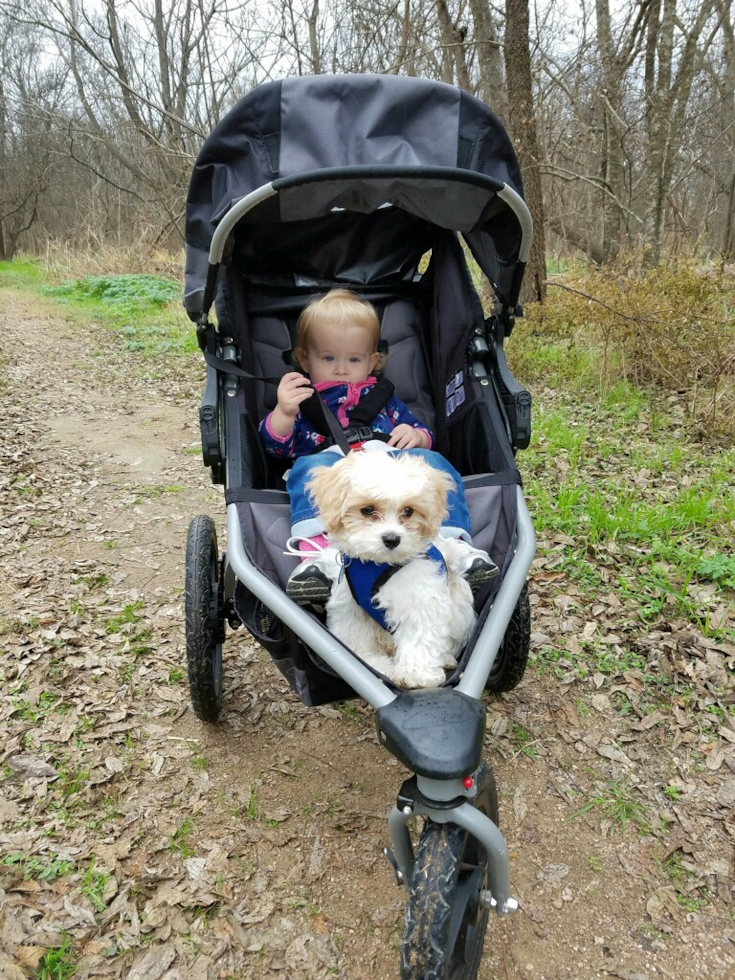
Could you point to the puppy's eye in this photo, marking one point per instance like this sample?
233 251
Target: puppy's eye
407 511
367 511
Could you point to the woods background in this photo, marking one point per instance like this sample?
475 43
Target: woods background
105 103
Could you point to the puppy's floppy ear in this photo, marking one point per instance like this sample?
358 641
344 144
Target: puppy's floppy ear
438 485
328 488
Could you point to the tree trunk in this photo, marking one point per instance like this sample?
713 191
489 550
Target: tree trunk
522 125
453 44
489 58
670 69
612 169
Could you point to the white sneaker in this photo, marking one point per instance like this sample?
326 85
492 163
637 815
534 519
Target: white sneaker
476 567
310 583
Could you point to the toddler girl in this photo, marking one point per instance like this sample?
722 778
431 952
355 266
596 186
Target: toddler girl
337 349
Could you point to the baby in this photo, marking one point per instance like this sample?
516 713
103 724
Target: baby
337 349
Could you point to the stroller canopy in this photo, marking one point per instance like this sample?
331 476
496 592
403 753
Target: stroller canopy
305 149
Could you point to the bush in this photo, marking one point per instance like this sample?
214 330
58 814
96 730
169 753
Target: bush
668 330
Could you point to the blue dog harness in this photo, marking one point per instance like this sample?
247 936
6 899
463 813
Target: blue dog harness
366 578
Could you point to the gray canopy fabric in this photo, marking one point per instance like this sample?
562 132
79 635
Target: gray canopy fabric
358 143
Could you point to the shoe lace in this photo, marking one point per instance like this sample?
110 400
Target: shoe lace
292 547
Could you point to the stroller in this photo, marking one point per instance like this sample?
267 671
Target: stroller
365 181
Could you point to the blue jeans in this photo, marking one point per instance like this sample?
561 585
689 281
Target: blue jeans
305 519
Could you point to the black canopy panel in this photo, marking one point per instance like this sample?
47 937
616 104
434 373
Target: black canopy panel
346 152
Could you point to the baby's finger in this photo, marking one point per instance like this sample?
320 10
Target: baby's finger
301 394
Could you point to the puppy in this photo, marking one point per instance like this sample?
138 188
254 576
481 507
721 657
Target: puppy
384 512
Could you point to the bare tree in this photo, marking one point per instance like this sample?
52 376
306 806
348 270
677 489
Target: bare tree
522 122
30 98
674 53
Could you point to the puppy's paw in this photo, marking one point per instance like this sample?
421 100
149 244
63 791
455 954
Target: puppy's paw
418 677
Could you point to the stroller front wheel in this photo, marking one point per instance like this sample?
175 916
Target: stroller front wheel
445 922
205 618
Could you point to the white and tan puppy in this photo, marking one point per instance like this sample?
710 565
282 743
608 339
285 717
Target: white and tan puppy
387 509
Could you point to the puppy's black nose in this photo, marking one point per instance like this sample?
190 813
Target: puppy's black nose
391 540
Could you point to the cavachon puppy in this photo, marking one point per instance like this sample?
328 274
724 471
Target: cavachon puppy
401 604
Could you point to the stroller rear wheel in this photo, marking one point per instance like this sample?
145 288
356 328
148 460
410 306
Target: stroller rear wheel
445 923
205 618
510 663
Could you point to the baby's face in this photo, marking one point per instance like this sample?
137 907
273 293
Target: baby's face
341 354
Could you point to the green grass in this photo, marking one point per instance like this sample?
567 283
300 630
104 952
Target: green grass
179 842
127 616
37 712
618 506
145 310
616 800
42 867
20 272
58 963
94 883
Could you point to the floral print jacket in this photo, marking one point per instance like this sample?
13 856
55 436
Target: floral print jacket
341 398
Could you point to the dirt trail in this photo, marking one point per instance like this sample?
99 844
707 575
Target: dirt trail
164 848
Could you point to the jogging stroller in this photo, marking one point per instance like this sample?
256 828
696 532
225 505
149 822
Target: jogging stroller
365 181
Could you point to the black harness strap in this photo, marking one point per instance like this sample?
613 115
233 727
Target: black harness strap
229 367
320 415
373 403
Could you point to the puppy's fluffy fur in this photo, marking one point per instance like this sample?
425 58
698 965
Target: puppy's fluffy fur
386 508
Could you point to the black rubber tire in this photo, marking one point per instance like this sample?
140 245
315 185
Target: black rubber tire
205 619
512 659
446 858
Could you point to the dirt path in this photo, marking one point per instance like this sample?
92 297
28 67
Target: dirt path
149 845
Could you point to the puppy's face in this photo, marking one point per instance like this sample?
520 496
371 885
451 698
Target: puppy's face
380 507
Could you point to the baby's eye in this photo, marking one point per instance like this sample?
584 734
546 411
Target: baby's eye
355 360
328 357
367 511
407 511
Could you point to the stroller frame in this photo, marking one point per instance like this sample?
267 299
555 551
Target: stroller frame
366 684
442 744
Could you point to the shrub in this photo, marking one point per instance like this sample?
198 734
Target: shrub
668 329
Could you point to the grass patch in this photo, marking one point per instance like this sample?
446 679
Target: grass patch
180 839
94 885
20 272
128 615
144 309
41 867
58 963
616 800
645 513
128 296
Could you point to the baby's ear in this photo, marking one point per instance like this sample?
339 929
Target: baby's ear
328 488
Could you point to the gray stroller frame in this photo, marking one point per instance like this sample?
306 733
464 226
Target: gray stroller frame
438 734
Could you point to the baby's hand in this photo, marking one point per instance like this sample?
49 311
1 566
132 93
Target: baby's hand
293 389
406 437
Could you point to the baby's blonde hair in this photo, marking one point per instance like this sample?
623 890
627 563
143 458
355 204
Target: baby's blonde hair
337 308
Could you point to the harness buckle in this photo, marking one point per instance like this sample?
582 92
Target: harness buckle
358 433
